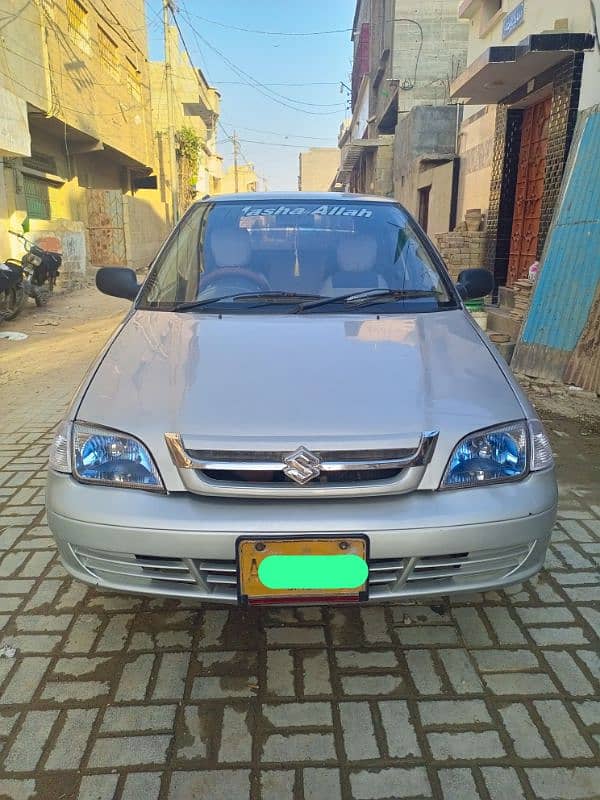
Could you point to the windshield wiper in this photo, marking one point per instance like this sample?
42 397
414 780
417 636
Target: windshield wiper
369 296
244 296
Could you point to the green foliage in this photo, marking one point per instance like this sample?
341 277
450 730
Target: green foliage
188 144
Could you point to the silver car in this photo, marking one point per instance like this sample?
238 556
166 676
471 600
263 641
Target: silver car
298 409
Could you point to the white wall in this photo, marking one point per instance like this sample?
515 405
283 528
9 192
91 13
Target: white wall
540 16
590 84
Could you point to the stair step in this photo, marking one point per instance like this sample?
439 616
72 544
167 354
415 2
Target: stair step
506 350
506 297
500 321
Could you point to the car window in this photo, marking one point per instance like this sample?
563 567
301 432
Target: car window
230 249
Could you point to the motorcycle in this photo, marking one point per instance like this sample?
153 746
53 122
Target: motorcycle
39 269
12 295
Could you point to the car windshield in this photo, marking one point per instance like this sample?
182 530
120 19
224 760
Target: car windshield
296 257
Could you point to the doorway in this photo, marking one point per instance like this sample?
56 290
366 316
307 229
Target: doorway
529 192
424 195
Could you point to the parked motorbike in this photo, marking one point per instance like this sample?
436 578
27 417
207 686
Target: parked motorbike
40 269
12 293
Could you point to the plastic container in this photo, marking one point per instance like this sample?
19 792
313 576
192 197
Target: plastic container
480 318
475 305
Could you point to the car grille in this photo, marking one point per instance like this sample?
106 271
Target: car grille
452 571
217 579
335 472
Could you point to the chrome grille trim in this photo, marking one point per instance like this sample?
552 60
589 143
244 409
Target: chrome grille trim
243 473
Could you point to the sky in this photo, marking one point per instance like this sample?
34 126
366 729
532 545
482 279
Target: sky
316 64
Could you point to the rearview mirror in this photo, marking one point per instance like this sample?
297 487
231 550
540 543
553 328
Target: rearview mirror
475 283
117 282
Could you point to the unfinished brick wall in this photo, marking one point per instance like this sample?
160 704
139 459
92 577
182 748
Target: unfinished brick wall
462 249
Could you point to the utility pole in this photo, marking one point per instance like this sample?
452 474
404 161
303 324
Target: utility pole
174 176
235 161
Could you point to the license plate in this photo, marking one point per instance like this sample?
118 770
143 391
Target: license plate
293 570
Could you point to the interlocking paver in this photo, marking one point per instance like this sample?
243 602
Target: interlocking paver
557 720
423 672
116 697
457 783
320 783
124 751
390 782
502 783
526 738
26 751
278 784
466 745
98 787
358 731
564 783
142 786
399 729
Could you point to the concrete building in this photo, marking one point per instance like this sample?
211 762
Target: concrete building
426 167
317 168
405 55
532 67
247 179
76 134
195 115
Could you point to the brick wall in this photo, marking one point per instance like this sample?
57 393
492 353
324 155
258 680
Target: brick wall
462 249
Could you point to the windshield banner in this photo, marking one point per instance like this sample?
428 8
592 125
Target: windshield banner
299 211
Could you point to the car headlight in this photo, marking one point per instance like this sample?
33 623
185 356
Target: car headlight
489 456
98 455
59 458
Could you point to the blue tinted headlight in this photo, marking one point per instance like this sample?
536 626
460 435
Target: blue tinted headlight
112 458
494 455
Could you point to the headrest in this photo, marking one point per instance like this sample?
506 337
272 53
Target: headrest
230 248
357 252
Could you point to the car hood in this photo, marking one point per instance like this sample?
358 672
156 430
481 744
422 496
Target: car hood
274 382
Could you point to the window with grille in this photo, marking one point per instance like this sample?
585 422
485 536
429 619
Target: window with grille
37 199
109 55
133 80
77 18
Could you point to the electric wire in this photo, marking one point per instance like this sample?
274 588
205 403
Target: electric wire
271 33
263 89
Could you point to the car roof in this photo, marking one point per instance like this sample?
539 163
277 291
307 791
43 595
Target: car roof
319 197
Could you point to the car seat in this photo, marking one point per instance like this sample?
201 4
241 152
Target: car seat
356 259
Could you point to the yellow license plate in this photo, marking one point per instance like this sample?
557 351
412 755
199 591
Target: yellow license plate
321 569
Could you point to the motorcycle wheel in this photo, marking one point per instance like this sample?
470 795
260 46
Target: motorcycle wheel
11 303
42 296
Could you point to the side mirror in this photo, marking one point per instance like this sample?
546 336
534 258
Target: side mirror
117 282
475 283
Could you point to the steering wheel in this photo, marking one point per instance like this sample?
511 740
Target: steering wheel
230 280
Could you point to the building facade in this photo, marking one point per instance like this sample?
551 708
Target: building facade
532 68
77 170
317 168
194 116
406 55
242 178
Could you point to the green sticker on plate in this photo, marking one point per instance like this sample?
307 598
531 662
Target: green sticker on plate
313 572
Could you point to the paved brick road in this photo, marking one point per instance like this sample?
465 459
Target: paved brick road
114 696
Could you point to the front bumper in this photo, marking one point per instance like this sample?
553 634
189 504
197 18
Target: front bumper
421 544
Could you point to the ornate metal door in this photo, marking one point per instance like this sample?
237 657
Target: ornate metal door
530 190
105 228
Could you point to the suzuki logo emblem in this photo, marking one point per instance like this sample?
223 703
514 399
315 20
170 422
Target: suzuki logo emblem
302 466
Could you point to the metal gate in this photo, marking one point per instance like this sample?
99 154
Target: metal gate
530 190
563 303
106 228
